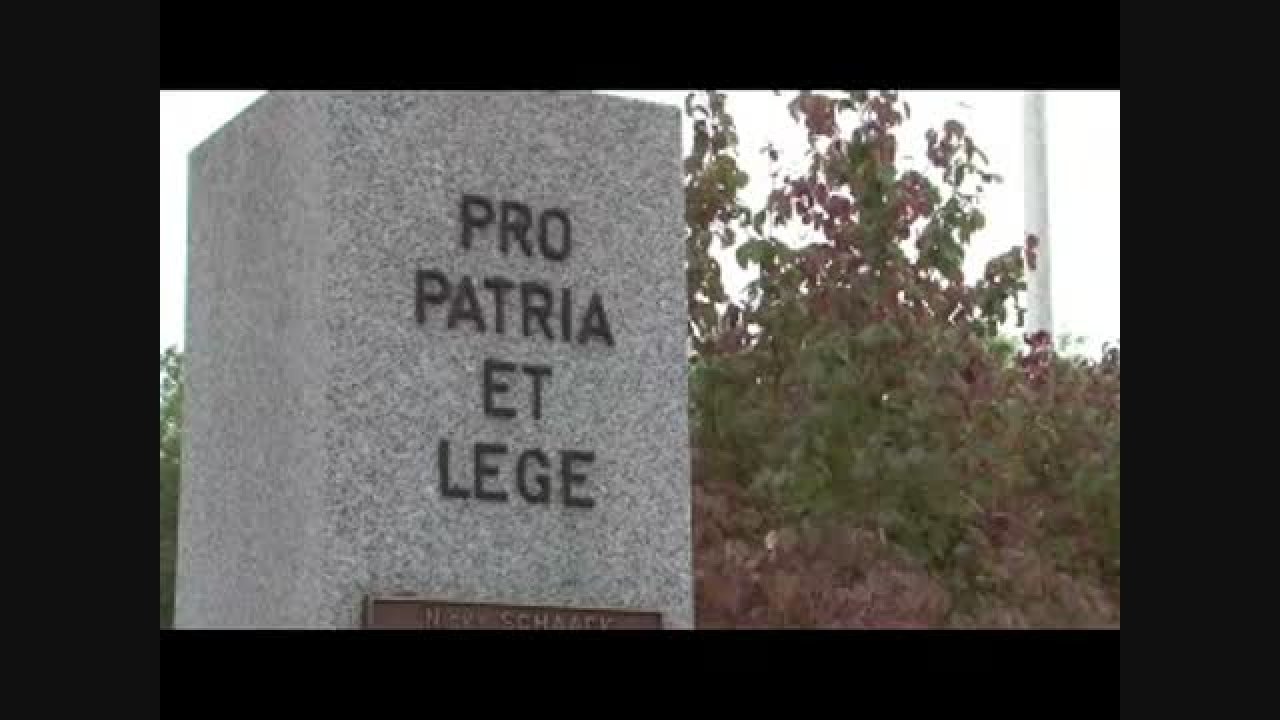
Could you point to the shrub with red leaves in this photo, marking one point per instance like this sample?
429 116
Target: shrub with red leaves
868 453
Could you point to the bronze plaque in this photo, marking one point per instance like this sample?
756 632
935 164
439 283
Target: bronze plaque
408 613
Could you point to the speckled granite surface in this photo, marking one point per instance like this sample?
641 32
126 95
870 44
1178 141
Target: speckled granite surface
338 328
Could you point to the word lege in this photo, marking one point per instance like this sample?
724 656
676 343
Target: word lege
540 477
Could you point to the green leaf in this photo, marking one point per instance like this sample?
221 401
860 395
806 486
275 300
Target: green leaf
755 250
702 240
915 455
937 545
959 176
758 221
870 335
864 468
726 169
700 143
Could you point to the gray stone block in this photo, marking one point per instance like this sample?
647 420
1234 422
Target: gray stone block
323 373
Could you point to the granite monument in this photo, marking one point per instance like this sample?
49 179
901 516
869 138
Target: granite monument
436 347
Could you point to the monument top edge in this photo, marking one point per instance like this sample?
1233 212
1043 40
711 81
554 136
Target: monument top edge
272 96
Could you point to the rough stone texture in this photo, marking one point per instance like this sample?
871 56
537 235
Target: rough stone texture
316 401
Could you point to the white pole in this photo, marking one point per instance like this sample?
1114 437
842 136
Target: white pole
1036 212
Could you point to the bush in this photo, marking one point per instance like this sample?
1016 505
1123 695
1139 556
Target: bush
868 452
170 470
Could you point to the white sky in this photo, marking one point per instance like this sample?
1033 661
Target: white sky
1084 185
